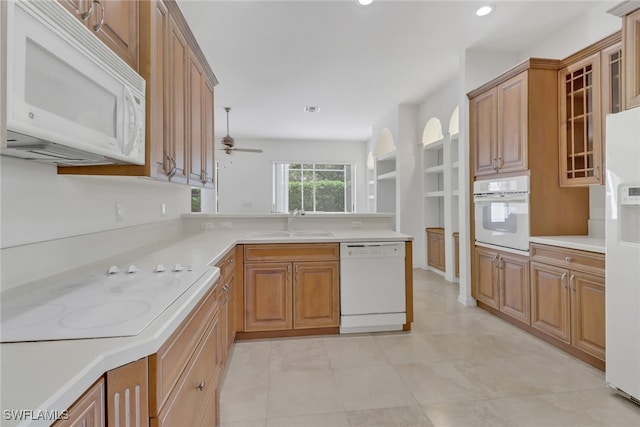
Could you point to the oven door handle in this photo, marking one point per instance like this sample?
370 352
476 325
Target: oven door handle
503 198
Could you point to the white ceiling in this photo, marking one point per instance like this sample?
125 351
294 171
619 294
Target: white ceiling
356 63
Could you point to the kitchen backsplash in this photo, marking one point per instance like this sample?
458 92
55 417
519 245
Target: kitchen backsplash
597 200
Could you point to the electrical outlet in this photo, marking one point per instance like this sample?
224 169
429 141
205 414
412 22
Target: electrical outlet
206 226
356 224
119 212
226 225
163 209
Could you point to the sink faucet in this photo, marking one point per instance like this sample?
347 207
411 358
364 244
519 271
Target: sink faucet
292 215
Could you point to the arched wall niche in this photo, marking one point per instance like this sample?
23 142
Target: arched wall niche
432 131
454 122
385 143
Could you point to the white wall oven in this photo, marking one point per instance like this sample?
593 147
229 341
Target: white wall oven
502 212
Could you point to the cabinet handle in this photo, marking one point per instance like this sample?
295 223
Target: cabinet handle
500 262
98 27
495 261
568 259
563 280
494 165
596 172
572 285
500 163
87 14
201 386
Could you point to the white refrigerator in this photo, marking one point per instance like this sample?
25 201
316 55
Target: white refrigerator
623 252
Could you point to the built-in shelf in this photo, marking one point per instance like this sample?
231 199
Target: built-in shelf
455 165
389 156
455 193
388 175
434 169
437 145
434 194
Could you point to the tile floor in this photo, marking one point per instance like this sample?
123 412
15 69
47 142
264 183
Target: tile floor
457 367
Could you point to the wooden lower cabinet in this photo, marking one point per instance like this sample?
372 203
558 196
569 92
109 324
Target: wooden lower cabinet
456 249
316 295
568 297
127 395
267 296
502 282
435 248
291 286
88 410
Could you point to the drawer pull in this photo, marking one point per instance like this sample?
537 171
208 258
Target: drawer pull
201 386
563 280
568 259
572 285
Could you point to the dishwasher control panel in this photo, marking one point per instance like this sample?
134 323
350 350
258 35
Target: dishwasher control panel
372 250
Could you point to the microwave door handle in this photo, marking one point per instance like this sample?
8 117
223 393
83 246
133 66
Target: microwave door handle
128 96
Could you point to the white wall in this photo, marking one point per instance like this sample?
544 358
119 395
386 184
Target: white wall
245 179
40 205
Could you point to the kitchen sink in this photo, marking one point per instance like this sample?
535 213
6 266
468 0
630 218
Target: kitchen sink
312 233
289 234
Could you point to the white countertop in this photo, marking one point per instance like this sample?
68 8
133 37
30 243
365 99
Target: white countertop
51 375
583 243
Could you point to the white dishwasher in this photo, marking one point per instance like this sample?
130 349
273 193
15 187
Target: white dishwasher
372 287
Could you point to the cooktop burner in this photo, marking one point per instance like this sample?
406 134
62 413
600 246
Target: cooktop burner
112 304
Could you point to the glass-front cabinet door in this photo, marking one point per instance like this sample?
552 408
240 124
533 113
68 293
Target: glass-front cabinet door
580 123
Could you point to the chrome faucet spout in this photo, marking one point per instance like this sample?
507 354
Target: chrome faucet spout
292 215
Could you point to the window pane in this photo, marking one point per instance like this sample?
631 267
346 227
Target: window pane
308 189
295 189
330 167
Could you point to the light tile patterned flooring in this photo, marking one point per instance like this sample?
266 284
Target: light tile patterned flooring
458 367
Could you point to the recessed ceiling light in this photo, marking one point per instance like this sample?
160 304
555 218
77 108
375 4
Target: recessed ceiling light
311 109
485 10
365 2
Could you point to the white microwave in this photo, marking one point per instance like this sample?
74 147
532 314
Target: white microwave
70 99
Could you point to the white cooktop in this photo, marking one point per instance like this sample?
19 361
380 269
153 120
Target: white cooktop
101 305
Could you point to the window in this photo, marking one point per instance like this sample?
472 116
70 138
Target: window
196 199
313 187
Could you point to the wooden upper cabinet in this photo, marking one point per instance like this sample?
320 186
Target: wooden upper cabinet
208 137
115 22
195 76
631 41
580 123
499 126
512 125
483 110
611 74
178 54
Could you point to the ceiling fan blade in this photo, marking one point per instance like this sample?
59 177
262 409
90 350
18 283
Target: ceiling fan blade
248 150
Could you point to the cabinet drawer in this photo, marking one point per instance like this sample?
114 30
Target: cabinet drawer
195 391
227 264
170 361
568 258
292 252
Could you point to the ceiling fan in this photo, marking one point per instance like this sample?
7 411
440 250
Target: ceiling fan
229 142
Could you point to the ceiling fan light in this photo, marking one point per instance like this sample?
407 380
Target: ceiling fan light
485 10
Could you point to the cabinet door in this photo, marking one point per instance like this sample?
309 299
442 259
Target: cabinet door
230 331
115 22
440 251
483 112
631 37
177 101
194 135
156 15
550 300
486 277
580 123
78 8
127 395
588 313
512 125
432 250
88 410
316 296
208 137
514 287
267 296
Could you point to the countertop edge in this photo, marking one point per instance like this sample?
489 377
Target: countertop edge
582 243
